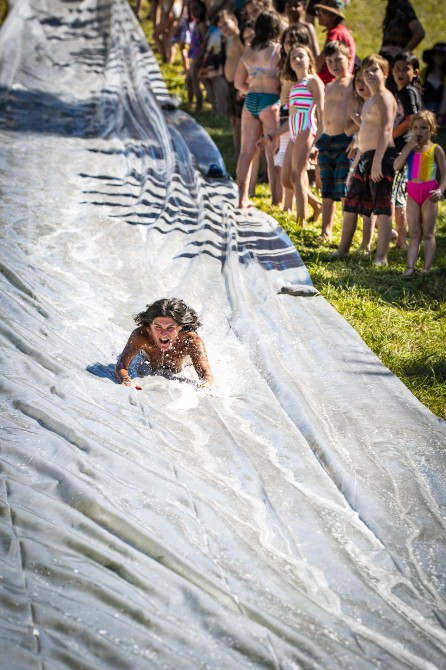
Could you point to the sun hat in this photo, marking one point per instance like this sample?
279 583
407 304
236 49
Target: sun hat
438 47
333 6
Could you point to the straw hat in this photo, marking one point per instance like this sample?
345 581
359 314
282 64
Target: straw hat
438 47
333 6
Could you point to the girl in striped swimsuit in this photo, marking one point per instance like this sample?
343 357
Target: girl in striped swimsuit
306 101
423 159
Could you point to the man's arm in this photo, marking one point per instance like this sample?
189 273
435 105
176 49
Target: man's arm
197 352
418 34
135 343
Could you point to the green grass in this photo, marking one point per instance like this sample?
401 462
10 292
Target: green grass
402 321
3 10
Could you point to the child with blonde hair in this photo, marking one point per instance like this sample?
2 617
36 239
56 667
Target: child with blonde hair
424 159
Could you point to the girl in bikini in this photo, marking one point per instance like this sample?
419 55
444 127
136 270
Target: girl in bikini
306 101
424 159
257 77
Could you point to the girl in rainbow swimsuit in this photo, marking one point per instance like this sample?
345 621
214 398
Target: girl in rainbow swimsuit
424 190
306 100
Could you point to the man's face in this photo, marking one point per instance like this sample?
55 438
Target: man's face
165 331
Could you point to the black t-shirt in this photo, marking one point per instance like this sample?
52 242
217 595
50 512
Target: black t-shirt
409 102
396 29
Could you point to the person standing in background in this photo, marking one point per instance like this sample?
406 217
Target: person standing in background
330 16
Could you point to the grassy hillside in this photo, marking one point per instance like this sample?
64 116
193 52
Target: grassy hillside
364 18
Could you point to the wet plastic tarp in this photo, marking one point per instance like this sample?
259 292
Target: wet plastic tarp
293 517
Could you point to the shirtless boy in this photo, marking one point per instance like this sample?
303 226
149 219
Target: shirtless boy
371 175
333 144
166 334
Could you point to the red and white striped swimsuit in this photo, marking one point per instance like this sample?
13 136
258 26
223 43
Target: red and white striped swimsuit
303 116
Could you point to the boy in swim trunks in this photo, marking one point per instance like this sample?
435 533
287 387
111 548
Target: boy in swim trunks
370 178
167 336
333 144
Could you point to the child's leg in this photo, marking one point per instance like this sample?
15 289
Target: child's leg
314 202
429 213
288 200
368 225
251 130
415 230
328 214
287 182
299 177
384 235
270 121
401 226
349 223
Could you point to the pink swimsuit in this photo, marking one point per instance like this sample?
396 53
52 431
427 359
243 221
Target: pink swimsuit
422 166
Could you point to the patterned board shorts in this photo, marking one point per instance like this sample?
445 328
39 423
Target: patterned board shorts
367 197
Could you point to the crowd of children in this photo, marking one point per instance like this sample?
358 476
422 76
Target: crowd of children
366 127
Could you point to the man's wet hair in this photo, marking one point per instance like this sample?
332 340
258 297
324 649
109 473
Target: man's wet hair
176 309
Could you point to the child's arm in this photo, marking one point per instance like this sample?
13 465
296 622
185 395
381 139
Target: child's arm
197 352
403 127
271 136
440 159
313 39
134 344
241 78
352 168
316 87
400 160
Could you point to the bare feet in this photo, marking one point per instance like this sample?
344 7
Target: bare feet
246 205
317 210
409 272
380 262
425 271
324 237
336 256
393 235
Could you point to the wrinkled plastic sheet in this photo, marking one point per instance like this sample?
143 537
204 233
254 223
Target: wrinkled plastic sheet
293 517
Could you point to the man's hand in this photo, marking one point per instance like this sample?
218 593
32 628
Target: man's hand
123 377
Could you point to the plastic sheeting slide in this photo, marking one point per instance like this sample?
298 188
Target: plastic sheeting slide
293 517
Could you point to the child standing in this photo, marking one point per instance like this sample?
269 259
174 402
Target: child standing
361 94
229 28
333 144
198 29
423 159
405 73
371 175
306 101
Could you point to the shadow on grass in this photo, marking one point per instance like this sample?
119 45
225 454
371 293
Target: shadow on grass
426 370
